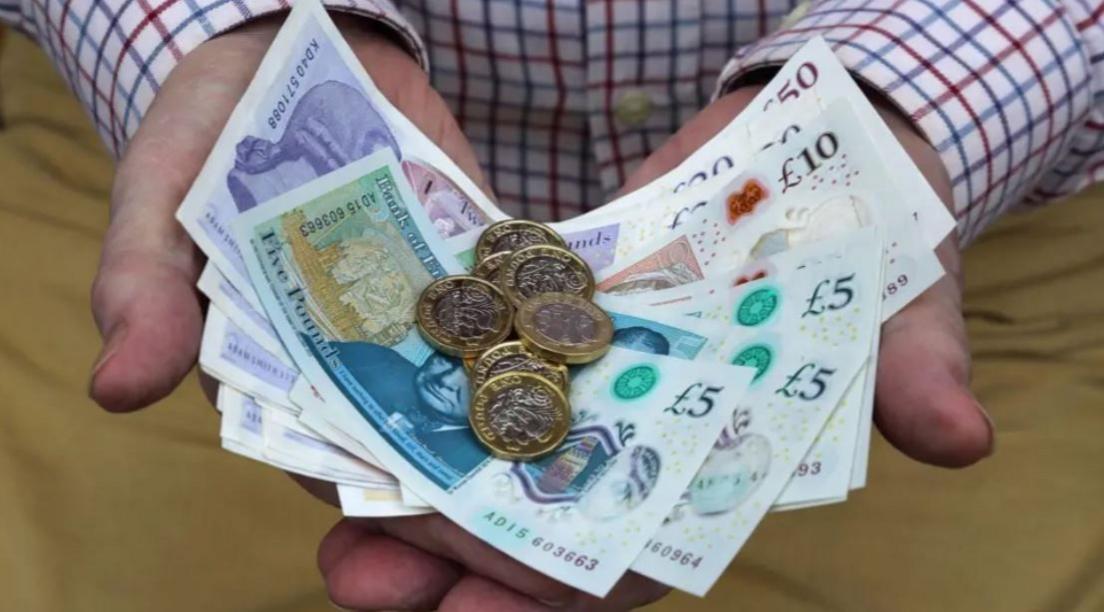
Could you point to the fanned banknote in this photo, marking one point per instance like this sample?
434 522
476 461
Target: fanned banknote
822 181
808 84
232 356
271 436
240 311
824 475
745 287
371 502
329 249
806 332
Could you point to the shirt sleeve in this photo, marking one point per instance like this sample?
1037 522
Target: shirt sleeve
116 53
1011 94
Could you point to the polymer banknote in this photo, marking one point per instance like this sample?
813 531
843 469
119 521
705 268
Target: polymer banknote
806 331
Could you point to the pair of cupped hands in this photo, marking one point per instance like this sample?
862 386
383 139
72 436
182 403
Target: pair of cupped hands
145 304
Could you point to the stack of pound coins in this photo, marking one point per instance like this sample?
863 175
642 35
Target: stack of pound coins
516 322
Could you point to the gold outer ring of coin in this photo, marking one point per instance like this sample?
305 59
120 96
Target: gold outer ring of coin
449 343
484 247
480 372
534 449
559 350
507 277
489 268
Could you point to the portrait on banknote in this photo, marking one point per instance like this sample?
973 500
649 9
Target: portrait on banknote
448 207
428 401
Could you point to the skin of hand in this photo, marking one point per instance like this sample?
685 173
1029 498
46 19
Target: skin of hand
145 304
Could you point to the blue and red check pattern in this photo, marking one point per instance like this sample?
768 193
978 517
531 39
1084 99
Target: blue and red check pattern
563 99
1008 92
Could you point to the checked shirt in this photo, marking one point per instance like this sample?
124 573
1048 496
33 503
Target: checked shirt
562 99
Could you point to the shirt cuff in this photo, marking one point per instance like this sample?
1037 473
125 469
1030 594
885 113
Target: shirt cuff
997 87
116 66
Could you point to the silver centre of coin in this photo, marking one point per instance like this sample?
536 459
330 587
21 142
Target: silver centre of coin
547 275
518 239
519 415
565 323
468 312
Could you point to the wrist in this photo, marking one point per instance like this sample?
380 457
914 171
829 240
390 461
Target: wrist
923 154
376 43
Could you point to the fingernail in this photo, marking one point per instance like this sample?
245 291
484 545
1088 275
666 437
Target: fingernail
110 347
992 429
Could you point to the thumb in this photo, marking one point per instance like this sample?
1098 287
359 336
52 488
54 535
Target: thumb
923 402
924 405
144 299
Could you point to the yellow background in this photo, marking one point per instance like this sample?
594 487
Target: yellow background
145 512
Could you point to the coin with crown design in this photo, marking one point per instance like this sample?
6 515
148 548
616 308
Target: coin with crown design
490 268
514 357
463 316
520 416
541 269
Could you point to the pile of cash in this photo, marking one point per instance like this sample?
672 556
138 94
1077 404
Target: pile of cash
743 292
524 279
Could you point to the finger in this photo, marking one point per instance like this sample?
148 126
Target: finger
144 303
475 593
923 403
143 299
365 570
440 536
